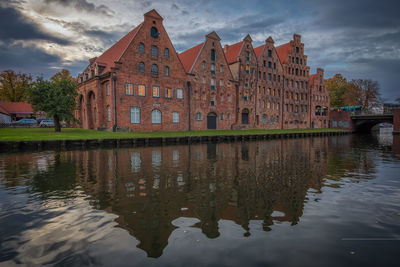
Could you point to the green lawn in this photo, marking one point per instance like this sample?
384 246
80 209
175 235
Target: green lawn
36 134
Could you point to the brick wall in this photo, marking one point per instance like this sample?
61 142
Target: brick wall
341 120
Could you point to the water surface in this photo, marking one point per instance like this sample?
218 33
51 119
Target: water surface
325 201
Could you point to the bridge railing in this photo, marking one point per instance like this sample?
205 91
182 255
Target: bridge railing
371 112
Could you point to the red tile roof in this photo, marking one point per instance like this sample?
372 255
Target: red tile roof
189 56
232 52
115 52
282 51
16 107
3 111
258 50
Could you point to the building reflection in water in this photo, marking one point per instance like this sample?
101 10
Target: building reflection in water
149 187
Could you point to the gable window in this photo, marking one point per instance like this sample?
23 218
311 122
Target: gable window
212 54
221 68
269 76
154 51
154 32
166 71
245 96
108 89
247 56
297 49
108 113
212 68
274 66
269 53
135 115
156 116
141 90
247 69
141 48
179 93
297 60
154 69
129 88
175 117
198 116
156 91
166 53
269 64
141 67
264 63
203 65
212 83
168 93
212 103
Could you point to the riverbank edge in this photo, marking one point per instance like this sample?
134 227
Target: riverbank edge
10 146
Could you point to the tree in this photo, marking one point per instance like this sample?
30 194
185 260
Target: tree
14 87
353 96
337 86
368 92
55 97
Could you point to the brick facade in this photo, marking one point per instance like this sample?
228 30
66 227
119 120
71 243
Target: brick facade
320 100
142 84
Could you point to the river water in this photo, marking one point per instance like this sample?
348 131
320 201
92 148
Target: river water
323 201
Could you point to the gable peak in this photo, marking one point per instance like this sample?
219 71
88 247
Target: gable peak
213 35
248 38
269 40
153 14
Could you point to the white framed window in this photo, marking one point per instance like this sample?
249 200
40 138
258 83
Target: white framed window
198 116
129 88
141 90
135 115
156 116
156 91
108 113
175 117
179 93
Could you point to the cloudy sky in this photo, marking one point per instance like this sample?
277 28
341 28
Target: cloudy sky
360 39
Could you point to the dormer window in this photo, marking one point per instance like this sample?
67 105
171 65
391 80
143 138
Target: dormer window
154 32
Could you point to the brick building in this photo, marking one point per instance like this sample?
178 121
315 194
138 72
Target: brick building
296 105
142 84
243 65
320 100
270 86
212 90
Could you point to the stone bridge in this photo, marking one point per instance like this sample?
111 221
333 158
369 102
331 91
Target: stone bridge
363 123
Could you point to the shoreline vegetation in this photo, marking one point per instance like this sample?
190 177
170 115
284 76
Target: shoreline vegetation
48 134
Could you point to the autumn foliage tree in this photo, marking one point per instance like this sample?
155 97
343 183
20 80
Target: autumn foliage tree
55 97
361 92
14 86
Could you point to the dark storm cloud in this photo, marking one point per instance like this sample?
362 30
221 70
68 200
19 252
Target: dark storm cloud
30 59
235 31
16 26
83 5
366 14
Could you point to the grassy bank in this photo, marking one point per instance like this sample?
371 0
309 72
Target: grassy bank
38 134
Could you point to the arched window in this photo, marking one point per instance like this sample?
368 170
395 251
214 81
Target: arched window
154 32
166 53
141 67
154 69
141 48
156 116
166 71
154 51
